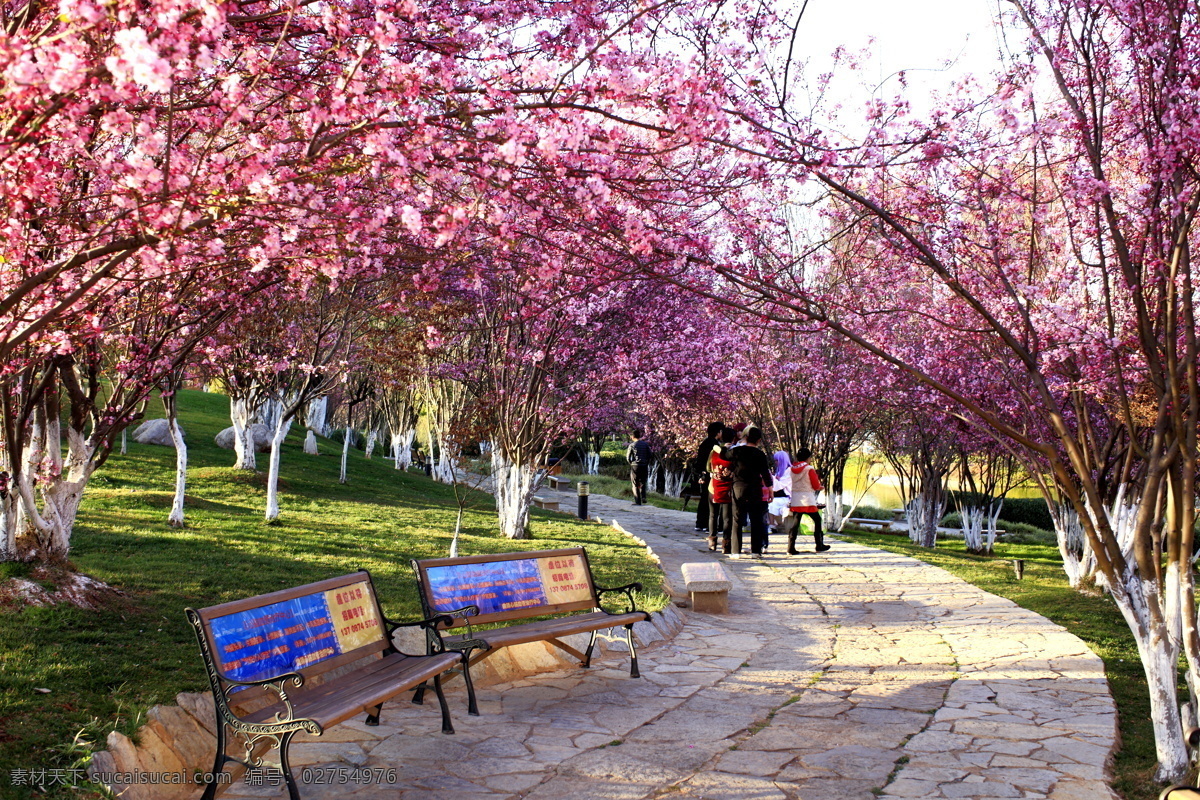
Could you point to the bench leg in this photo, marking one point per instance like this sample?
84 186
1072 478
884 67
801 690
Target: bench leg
633 665
472 706
419 694
284 740
587 654
441 696
210 789
373 718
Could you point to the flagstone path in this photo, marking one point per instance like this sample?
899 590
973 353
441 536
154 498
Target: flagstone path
851 674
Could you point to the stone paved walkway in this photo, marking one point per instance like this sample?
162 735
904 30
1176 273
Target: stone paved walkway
850 674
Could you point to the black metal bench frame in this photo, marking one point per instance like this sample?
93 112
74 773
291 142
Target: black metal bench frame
230 695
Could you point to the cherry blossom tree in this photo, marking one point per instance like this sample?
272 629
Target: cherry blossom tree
1041 234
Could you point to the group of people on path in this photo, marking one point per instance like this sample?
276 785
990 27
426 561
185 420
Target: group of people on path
741 487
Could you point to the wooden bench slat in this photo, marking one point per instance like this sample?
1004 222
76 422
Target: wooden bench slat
541 629
360 691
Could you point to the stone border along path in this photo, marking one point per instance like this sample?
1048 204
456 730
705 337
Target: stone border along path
840 676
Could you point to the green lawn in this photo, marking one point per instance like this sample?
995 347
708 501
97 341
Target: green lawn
105 668
1094 619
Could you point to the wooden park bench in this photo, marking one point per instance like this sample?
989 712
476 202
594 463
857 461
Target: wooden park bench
511 589
557 482
269 661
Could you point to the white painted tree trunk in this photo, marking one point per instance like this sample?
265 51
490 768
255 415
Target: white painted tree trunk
429 446
992 525
1078 560
591 465
485 448
43 531
673 483
445 469
652 477
1122 519
315 415
124 440
972 528
175 519
1158 647
8 527
281 429
310 443
923 514
402 443
514 487
270 412
369 447
345 453
241 415
457 529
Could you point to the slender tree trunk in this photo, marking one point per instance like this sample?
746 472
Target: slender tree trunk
8 515
345 452
243 440
176 519
281 431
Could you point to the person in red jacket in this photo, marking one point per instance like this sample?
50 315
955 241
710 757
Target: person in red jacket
805 485
720 486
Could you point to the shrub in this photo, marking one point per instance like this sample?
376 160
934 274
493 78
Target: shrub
1020 533
960 499
1028 511
952 520
871 512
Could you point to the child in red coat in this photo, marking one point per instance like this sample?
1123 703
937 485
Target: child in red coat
805 485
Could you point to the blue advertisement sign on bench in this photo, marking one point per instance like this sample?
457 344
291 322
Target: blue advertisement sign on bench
495 587
271 640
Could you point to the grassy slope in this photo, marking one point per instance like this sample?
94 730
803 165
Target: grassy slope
1094 619
104 669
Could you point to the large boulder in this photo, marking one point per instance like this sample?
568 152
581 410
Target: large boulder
155 431
260 432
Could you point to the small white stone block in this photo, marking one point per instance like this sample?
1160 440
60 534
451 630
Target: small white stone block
708 586
708 576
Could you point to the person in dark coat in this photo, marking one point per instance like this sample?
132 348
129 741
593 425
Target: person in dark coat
752 477
639 456
700 474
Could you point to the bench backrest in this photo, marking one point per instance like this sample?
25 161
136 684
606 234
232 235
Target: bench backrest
508 586
308 629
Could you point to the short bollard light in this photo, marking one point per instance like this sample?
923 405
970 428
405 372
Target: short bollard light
1019 568
583 499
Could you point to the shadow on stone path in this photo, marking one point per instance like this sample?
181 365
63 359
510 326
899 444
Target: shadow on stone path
854 673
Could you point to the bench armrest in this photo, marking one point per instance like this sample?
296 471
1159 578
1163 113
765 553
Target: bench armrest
284 721
221 686
627 590
433 637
